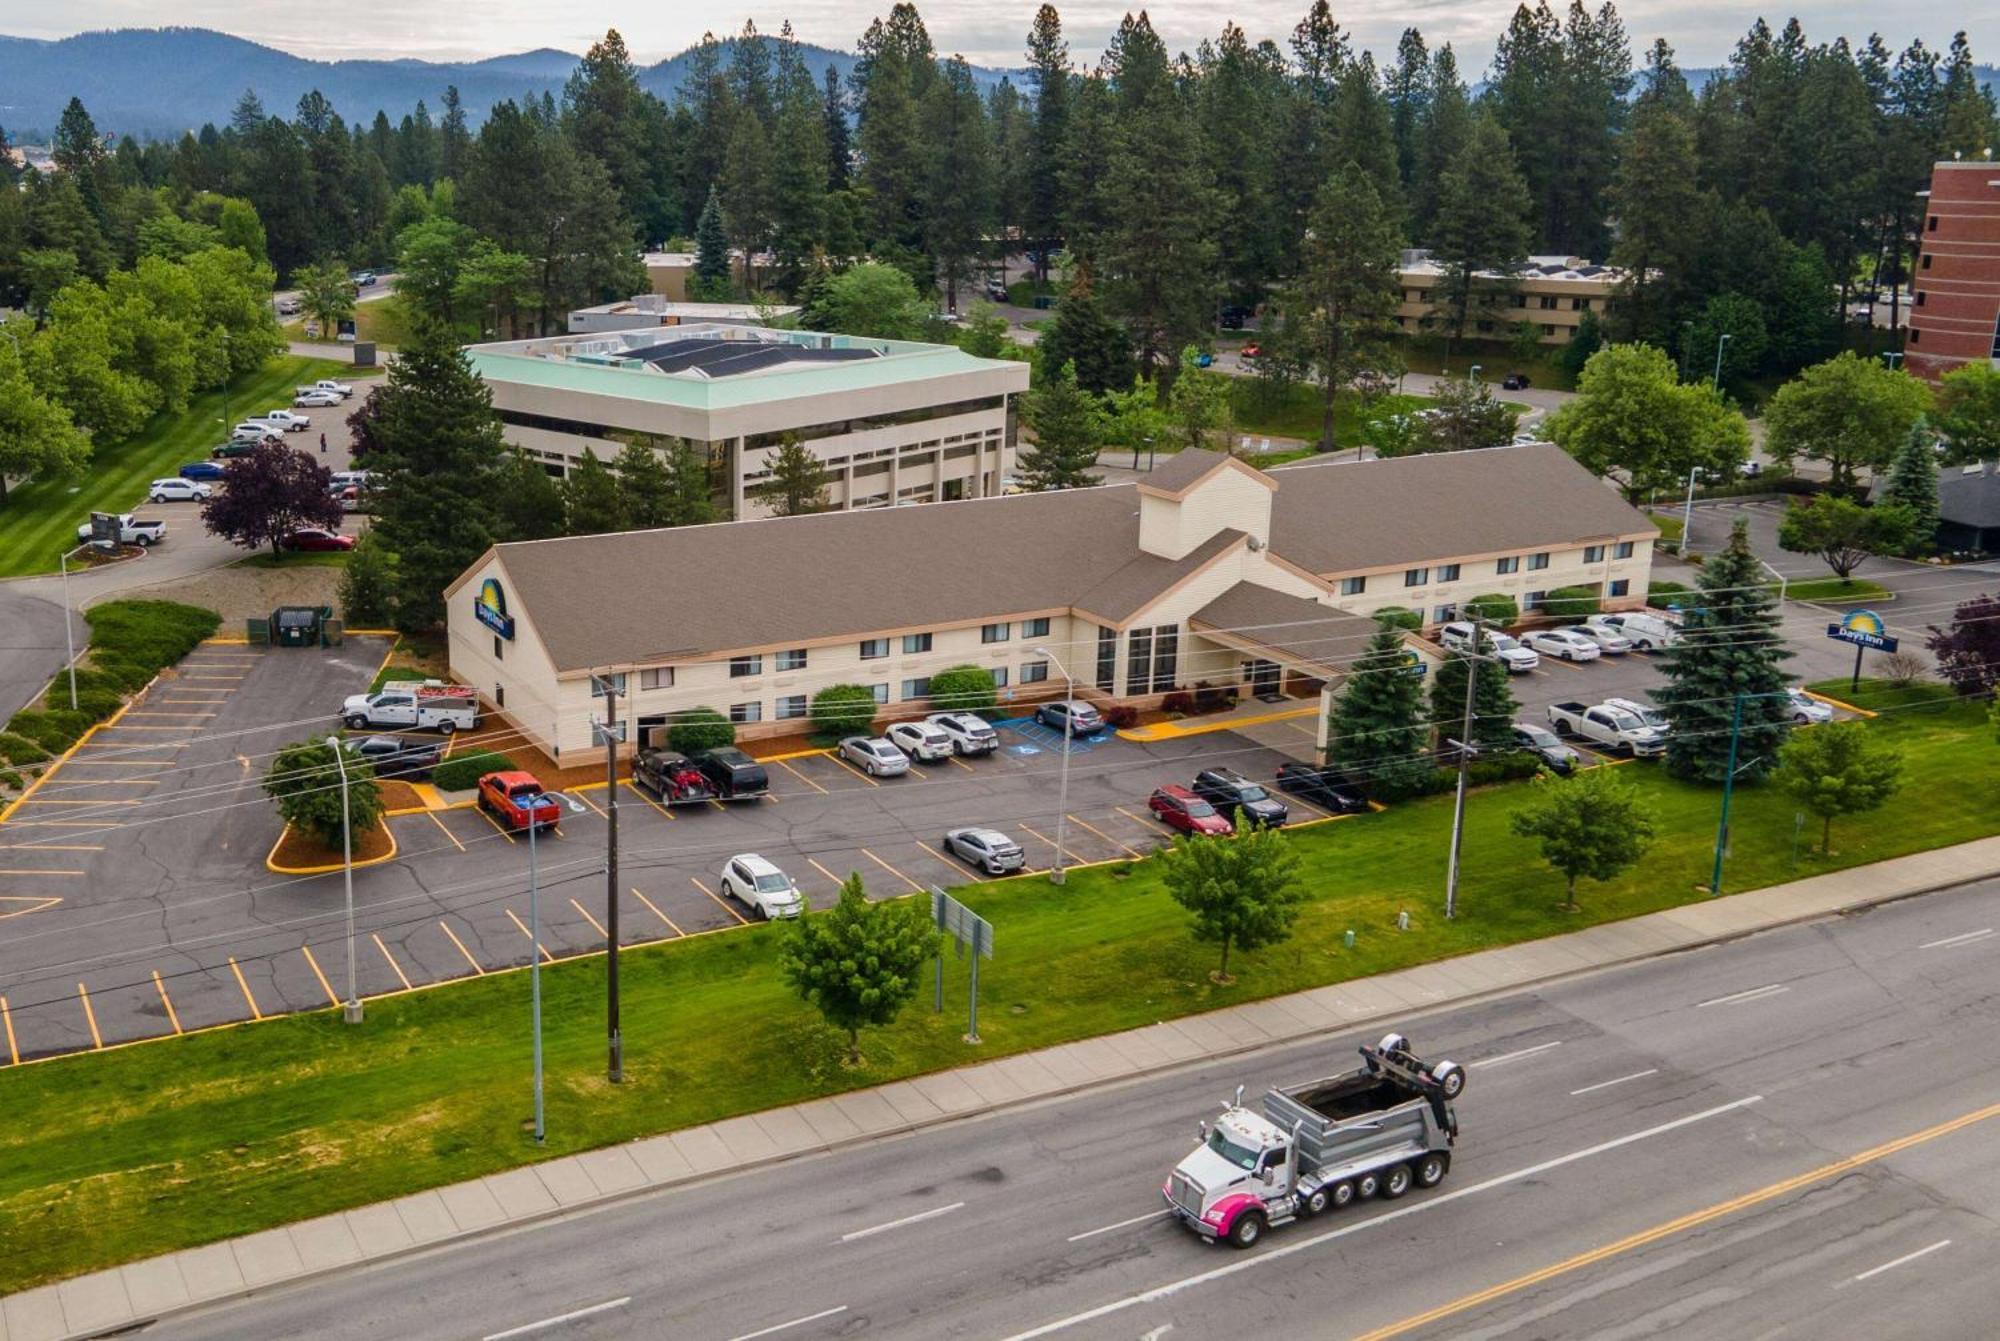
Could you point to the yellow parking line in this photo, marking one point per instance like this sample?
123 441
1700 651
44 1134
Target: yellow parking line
960 868
39 801
324 985
115 782
1073 819
255 1014
1137 819
1044 837
961 763
152 712
546 956
173 1016
376 936
7 1018
718 898
52 847
96 1039
65 824
122 727
800 776
891 870
657 913
588 918
634 789
446 832
498 827
1558 661
852 769
462 950
578 794
837 881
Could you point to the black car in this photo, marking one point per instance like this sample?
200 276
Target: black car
395 757
1232 794
1547 746
1234 315
1323 787
737 777
1514 381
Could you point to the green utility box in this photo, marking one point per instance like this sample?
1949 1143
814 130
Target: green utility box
298 625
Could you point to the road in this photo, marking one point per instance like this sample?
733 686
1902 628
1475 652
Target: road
1653 1150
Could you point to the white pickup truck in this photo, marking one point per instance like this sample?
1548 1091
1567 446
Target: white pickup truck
1616 728
422 704
132 531
340 389
287 420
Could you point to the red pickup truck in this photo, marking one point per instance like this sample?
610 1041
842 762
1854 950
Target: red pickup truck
516 800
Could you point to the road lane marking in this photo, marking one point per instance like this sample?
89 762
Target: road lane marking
795 1322
1607 1084
1515 1056
173 1016
1074 819
1106 1229
526 1329
1172 1288
634 789
547 958
1965 939
462 950
376 936
324 985
90 1015
872 1230
7 1018
656 912
718 898
1693 1220
446 832
892 870
588 918
1905 1258
801 777
1755 993
251 1001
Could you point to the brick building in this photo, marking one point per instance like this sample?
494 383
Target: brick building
1955 315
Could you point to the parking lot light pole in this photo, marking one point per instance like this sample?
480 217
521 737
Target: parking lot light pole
351 1008
1687 514
608 728
69 632
1472 660
1716 382
1059 874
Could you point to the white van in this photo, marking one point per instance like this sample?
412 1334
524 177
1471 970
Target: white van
1644 629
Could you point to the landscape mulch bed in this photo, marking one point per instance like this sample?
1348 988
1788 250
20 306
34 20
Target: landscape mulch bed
296 850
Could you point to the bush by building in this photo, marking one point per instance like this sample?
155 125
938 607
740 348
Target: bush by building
699 730
843 710
964 689
1495 607
463 773
1570 604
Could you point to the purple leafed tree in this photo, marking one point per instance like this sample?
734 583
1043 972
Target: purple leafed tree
1968 653
361 426
269 494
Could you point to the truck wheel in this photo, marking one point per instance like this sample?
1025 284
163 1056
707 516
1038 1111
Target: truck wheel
1396 1182
1249 1228
447 727
1341 1194
357 722
1430 1170
1314 1202
1365 1185
1450 1077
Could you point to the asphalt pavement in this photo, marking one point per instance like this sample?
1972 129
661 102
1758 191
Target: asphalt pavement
1791 1134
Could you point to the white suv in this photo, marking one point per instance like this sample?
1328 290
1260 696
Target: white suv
969 732
177 491
760 886
922 741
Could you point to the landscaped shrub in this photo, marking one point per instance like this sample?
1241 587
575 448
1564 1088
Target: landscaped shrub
843 710
1399 617
699 730
124 673
54 729
1495 607
1213 698
464 771
1663 594
148 633
17 749
1437 781
1121 716
1570 603
964 689
1180 701
9 778
93 702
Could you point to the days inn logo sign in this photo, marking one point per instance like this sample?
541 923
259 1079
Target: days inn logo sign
490 607
1863 628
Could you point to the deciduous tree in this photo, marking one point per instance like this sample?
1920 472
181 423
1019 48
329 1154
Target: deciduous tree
1969 413
326 294
1244 893
304 780
37 436
1634 418
859 962
1592 824
1843 532
1838 769
1849 412
268 494
1968 653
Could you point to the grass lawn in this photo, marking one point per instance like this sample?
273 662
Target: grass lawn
39 519
296 559
1294 412
381 320
109 1157
1835 590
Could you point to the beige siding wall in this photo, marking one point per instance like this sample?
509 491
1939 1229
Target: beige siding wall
520 680
1201 659
1226 500
1479 577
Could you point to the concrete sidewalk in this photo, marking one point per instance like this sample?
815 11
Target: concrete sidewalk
118 1298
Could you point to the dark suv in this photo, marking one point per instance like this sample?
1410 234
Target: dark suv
1327 788
1232 794
395 757
737 777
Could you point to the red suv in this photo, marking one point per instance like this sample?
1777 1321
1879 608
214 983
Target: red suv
1181 809
515 800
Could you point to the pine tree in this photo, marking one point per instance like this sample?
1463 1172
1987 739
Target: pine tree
1087 340
592 501
691 500
839 146
1659 218
1728 659
711 264
1446 127
1341 306
454 140
645 488
1493 704
1048 69
798 170
1378 724
958 195
1064 421
1913 484
746 185
528 503
1482 225
797 484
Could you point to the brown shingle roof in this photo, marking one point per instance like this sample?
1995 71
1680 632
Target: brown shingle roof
1290 628
1189 466
1338 517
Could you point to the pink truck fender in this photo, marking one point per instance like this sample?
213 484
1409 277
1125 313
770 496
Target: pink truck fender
1222 1215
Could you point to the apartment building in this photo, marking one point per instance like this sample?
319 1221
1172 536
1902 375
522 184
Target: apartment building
1955 310
1550 293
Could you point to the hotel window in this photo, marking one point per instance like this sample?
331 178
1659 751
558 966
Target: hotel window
1444 613
1924 262
1576 304
1931 226
1916 334
499 652
917 688
874 648
1034 672
1139 661
792 660
1035 628
1520 300
1533 600
1537 562
1623 550
1593 554
791 707
1511 564
660 677
1107 660
881 692
1447 572
1548 329
1353 586
746 712
916 642
1920 297
999 677
995 633
1548 303
1416 577
1622 586
742 666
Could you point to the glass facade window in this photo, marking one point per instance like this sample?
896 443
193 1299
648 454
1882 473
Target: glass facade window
742 666
793 660
1107 660
914 643
872 648
746 712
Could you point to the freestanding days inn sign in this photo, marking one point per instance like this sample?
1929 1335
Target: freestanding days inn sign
1863 628
491 608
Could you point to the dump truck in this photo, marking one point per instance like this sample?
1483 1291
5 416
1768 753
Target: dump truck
1380 1129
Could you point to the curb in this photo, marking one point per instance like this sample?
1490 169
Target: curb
271 858
906 1128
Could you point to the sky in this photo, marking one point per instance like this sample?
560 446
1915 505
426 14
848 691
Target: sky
1701 31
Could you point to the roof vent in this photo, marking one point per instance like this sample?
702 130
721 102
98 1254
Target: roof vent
1254 543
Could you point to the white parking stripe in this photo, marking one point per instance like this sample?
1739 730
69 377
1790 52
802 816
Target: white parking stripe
1106 1229
561 1318
795 1322
1607 1084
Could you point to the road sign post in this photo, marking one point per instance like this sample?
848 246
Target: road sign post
1863 628
968 932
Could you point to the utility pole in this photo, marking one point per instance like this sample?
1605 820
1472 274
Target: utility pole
1716 383
1728 788
1464 765
611 738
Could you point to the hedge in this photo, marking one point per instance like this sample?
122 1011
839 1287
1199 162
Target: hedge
130 643
1495 607
699 730
17 749
964 689
1484 772
463 773
54 729
1664 594
1399 617
843 710
1570 603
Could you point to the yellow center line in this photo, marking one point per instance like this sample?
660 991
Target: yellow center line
800 776
588 918
173 1016
7 1018
255 1014
376 936
1693 1220
324 985
462 950
96 1039
891 870
657 913
719 901
547 958
446 832
837 881
1075 819
852 769
633 788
